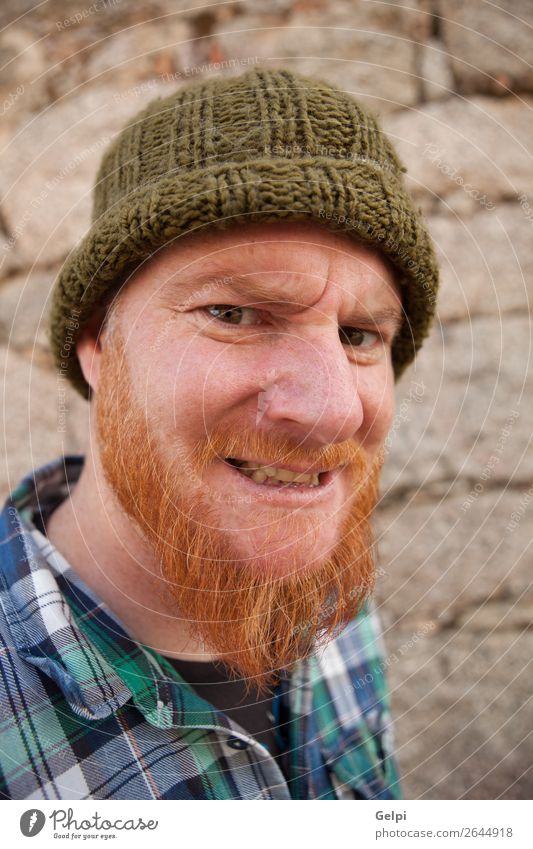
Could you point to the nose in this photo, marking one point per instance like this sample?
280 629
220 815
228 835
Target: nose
311 391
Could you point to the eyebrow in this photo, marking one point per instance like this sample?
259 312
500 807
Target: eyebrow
252 288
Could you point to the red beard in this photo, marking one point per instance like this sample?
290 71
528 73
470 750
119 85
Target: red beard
257 620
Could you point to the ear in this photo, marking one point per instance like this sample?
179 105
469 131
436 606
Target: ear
89 349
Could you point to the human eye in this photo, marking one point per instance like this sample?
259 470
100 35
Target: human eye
228 314
356 337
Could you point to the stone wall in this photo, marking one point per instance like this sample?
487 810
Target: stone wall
453 83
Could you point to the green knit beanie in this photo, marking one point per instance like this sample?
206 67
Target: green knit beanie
265 145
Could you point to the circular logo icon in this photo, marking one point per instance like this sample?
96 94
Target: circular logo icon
32 822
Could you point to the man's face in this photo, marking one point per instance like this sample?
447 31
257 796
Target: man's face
235 361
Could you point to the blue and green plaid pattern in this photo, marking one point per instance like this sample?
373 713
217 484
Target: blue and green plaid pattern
86 712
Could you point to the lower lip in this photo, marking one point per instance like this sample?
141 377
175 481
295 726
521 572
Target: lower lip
287 494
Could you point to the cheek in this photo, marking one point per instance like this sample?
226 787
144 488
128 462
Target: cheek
195 382
378 406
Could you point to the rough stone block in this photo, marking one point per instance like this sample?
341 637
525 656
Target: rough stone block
461 703
463 410
490 45
481 146
460 559
486 262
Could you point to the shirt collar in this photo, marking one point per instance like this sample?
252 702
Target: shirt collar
41 624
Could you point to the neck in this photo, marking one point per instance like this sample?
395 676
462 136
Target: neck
108 552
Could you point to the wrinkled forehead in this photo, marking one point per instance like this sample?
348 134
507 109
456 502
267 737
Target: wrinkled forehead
290 262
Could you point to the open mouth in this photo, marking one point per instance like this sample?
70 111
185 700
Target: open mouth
274 476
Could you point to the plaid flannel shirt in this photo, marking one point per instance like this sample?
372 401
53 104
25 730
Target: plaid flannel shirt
88 713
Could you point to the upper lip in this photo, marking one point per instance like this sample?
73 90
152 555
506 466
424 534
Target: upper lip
310 469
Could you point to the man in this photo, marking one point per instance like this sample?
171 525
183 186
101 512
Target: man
187 609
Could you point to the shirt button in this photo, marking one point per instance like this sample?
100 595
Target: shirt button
237 743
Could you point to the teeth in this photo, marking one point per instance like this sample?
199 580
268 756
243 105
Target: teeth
285 475
260 475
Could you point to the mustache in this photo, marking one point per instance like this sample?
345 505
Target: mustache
221 444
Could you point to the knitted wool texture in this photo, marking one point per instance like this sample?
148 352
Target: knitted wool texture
265 145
